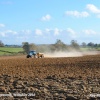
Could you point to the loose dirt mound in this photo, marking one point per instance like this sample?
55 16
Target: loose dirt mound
53 78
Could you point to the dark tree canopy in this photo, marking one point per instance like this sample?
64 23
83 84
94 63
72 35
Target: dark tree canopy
74 44
1 44
90 44
59 46
26 47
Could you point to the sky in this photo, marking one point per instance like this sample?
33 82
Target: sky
45 21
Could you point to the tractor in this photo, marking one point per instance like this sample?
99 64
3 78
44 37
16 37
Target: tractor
34 54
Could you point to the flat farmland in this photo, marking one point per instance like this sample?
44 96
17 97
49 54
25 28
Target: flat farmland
60 67
58 77
9 50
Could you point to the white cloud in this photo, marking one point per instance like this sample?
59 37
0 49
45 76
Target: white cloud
89 32
72 32
26 31
93 8
47 30
3 34
2 25
98 15
77 14
23 38
10 31
38 32
56 31
6 33
46 17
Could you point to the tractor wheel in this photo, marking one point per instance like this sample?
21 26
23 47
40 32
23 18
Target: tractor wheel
28 56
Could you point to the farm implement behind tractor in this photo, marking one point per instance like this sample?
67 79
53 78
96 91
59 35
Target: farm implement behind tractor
34 54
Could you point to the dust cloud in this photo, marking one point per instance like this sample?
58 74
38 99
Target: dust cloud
71 54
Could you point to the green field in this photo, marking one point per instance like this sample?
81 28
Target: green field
88 49
10 49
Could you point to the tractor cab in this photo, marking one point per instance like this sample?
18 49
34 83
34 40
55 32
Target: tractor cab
31 53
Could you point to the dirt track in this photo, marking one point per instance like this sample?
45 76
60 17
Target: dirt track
51 76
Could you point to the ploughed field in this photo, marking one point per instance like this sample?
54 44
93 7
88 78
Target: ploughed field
43 67
62 78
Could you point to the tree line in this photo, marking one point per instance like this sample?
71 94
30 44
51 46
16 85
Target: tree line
90 44
57 46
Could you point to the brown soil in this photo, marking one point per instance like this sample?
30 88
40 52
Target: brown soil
51 76
60 67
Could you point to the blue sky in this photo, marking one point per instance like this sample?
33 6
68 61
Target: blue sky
45 21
